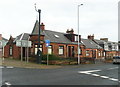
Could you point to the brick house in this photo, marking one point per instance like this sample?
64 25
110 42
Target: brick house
110 48
14 51
61 44
92 50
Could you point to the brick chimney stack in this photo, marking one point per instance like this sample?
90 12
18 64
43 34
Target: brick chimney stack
70 31
105 39
0 36
91 37
42 26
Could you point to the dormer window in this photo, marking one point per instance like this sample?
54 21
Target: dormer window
76 38
91 43
56 36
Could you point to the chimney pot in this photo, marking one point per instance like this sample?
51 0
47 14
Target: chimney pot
42 26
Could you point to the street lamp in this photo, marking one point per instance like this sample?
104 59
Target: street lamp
38 51
78 37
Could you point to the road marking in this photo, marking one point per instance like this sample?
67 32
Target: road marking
90 72
1 67
112 68
10 67
95 75
105 77
7 83
113 79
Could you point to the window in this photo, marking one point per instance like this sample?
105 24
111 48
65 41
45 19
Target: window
76 38
87 53
99 53
80 51
11 51
61 50
50 49
56 36
36 49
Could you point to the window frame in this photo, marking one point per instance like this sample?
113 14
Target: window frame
61 49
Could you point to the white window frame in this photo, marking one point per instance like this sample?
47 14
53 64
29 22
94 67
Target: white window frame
36 49
61 50
87 53
50 49
11 50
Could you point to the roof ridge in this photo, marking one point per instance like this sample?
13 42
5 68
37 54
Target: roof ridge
55 31
22 36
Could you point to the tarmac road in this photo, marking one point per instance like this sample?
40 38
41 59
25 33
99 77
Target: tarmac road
91 74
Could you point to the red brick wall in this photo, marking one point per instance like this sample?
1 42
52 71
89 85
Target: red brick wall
6 49
15 51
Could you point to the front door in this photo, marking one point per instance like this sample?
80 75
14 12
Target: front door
69 51
94 54
73 51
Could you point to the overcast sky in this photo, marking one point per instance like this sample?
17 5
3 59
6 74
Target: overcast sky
98 17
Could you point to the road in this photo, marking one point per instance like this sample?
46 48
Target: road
93 74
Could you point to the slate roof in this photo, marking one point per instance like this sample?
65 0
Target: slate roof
4 39
90 44
23 36
36 29
57 37
100 41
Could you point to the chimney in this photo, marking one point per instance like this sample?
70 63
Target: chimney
91 37
0 36
104 39
70 31
42 26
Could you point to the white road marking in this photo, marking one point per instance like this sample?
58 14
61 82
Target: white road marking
113 79
105 77
1 67
10 67
112 68
89 71
96 75
7 83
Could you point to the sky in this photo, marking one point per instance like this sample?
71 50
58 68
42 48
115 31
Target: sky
98 17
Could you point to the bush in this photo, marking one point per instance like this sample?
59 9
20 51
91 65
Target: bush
50 57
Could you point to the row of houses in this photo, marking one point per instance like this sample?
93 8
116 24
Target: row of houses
64 45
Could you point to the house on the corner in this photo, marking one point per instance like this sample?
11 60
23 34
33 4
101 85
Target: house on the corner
12 50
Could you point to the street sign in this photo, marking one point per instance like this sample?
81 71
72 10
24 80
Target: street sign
3 43
23 43
47 42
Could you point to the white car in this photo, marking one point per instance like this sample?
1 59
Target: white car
116 59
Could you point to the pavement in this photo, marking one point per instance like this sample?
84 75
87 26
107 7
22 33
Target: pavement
23 64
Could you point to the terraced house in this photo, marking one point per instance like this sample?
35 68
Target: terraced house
64 45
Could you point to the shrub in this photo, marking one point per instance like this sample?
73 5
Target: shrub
50 57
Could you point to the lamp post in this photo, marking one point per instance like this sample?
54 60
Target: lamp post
78 37
38 51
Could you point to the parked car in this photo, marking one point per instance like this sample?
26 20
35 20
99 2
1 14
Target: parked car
116 59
